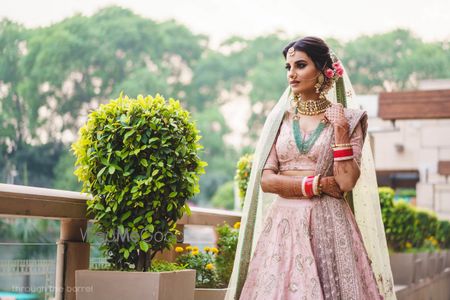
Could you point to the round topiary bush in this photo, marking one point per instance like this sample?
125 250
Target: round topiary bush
138 158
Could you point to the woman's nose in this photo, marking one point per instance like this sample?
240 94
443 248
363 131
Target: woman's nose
291 74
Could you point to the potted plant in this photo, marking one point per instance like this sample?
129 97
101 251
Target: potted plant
138 158
214 265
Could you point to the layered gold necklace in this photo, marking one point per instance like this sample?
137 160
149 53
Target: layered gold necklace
311 107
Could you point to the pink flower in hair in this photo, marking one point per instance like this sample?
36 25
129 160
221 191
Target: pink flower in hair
340 71
329 73
337 65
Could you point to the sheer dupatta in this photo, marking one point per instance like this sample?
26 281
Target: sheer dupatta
364 200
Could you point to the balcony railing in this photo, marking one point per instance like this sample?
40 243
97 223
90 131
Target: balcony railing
70 209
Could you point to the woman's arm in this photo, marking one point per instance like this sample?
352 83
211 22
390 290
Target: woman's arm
290 186
347 172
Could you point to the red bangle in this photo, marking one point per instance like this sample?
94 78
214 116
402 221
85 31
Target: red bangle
308 186
338 153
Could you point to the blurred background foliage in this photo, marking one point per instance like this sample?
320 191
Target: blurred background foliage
51 77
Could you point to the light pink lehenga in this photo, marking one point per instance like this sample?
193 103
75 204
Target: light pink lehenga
285 264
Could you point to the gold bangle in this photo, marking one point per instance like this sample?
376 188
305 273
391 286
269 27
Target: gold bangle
341 145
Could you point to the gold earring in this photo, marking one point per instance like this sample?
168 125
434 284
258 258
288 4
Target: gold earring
319 83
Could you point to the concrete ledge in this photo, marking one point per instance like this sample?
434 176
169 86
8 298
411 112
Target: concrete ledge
436 288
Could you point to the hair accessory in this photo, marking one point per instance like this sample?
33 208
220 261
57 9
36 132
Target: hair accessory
291 51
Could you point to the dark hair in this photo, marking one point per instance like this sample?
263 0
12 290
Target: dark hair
315 48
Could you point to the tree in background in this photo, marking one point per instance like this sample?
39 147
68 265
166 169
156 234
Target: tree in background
51 77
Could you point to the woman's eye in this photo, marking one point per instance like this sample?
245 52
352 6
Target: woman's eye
301 66
287 67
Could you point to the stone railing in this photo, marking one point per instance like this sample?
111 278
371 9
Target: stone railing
70 209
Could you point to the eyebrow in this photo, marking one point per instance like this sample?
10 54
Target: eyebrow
297 61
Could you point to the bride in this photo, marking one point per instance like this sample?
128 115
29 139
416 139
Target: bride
311 225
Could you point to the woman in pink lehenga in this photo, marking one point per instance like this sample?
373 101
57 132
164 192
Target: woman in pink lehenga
309 245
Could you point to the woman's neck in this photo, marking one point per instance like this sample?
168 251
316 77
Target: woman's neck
309 96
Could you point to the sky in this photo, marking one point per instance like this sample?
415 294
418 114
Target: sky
219 19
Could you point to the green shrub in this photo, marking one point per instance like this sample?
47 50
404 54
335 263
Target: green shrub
227 244
425 227
443 234
386 203
243 168
400 226
138 158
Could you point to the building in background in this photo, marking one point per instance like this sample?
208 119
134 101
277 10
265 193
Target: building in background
410 136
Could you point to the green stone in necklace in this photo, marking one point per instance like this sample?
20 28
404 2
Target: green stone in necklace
305 145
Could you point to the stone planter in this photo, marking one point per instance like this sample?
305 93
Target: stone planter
433 264
442 257
119 285
210 294
403 267
422 266
447 260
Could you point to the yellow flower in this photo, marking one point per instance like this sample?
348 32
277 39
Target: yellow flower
209 267
194 252
179 249
408 245
195 248
207 249
188 248
214 250
237 225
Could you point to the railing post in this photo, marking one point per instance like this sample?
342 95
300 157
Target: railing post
72 254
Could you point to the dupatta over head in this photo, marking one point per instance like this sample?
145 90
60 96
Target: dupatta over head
363 199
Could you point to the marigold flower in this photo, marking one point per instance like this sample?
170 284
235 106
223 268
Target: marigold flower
194 252
408 245
195 248
179 249
214 250
188 248
237 225
207 249
209 266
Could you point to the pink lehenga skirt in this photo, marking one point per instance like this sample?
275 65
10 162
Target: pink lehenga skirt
284 262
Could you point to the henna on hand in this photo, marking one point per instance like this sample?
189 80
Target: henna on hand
330 187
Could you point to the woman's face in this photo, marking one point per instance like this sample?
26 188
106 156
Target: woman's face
301 73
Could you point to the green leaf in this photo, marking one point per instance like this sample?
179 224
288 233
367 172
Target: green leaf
144 162
101 172
128 134
173 194
143 245
121 229
111 170
125 216
126 254
146 235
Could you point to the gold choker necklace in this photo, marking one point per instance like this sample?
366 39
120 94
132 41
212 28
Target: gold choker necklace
311 107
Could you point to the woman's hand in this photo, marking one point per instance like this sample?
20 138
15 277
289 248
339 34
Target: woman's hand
330 187
335 115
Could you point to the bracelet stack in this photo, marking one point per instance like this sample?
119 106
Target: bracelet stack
311 186
342 152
